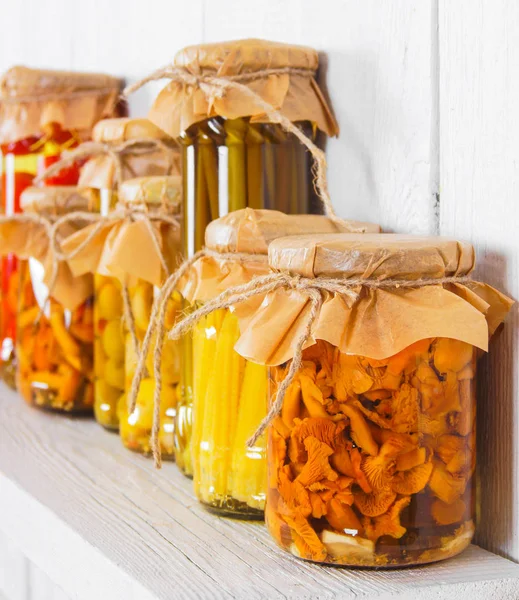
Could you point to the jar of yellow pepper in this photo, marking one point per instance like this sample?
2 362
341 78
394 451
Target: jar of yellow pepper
138 244
233 155
55 314
229 392
371 449
122 149
42 114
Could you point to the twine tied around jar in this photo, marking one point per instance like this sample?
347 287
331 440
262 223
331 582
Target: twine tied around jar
134 211
137 146
157 328
314 289
124 211
215 86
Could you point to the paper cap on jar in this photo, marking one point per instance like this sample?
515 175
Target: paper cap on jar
153 190
123 129
245 56
56 198
374 256
32 99
281 74
252 230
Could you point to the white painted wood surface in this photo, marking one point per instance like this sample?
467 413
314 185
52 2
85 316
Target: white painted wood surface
479 170
102 522
425 93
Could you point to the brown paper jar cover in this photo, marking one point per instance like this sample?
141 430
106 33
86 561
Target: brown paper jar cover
99 171
250 231
375 323
30 99
297 96
30 239
123 247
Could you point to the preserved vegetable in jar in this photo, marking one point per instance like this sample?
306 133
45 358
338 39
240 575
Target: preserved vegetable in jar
122 149
371 446
229 392
55 330
34 130
372 461
233 155
139 246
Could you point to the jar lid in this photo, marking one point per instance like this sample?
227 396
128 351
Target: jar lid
31 99
285 79
56 198
153 190
251 231
20 81
374 256
123 129
245 56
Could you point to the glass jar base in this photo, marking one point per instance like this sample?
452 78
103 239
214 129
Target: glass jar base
8 375
234 509
113 428
145 450
356 555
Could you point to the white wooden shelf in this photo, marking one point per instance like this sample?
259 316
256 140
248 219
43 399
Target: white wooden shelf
102 522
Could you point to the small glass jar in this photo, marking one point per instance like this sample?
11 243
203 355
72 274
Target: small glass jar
42 114
232 158
155 154
230 393
54 343
117 352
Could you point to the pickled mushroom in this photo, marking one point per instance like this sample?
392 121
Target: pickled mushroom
374 504
446 514
388 523
317 467
413 480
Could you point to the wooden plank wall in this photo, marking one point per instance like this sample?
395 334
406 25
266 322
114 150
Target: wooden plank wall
425 94
479 188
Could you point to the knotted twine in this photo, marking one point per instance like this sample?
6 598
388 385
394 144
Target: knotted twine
137 146
315 290
215 86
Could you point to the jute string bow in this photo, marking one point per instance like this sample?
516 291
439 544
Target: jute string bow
215 86
137 147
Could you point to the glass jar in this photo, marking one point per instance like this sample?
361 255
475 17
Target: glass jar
371 462
229 392
232 157
42 113
132 263
22 160
371 455
155 155
54 344
229 401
